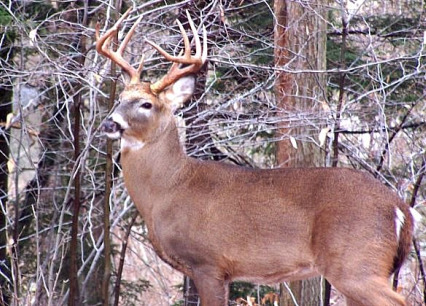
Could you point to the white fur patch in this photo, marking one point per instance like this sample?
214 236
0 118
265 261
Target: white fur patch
117 118
399 221
115 135
131 144
144 111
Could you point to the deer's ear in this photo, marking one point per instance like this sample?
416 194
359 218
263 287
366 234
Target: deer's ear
179 92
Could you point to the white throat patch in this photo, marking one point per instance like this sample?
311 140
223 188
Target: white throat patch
131 144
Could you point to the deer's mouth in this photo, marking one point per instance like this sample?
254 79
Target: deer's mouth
112 129
114 126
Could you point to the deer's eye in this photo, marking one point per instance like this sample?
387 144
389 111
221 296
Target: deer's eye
146 105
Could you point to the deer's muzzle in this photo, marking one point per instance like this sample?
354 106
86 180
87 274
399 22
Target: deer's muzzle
112 129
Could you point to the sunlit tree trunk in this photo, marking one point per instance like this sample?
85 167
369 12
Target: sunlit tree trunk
300 42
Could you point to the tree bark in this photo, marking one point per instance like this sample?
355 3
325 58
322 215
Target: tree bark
300 44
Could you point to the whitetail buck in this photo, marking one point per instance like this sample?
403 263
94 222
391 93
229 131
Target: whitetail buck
218 223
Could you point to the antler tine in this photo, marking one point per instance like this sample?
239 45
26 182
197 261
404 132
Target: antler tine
195 62
103 47
187 44
204 55
196 37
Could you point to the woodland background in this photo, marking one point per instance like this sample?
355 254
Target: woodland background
288 83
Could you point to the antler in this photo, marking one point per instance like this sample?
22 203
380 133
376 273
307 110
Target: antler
103 47
195 62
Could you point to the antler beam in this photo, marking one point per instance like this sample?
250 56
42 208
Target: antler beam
103 47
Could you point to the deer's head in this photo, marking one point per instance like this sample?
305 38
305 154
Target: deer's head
145 108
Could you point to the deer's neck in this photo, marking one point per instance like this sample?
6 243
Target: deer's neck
154 169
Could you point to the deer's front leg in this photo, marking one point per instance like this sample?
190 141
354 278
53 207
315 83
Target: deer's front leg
213 290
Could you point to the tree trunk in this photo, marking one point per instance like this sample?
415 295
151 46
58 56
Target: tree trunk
74 291
6 53
5 264
300 44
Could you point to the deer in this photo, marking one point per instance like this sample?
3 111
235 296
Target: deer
218 223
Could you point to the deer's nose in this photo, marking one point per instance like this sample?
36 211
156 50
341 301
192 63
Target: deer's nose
111 128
